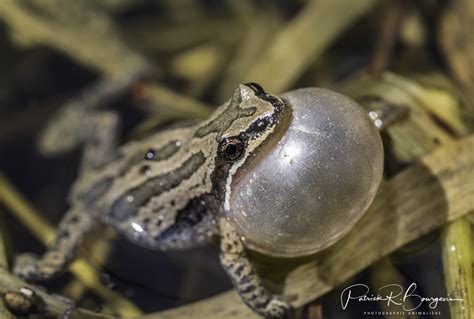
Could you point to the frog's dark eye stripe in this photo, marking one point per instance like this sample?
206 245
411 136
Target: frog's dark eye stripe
258 127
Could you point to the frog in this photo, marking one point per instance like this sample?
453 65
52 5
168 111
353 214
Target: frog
166 191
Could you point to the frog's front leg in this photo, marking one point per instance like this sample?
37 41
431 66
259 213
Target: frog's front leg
245 278
75 224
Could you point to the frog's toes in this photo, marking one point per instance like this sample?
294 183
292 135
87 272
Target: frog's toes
26 266
278 308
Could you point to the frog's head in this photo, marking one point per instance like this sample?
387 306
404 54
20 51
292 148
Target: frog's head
251 123
259 113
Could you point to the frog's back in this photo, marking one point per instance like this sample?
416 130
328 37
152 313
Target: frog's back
155 190
131 164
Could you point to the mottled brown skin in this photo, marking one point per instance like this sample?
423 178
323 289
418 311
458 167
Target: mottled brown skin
164 192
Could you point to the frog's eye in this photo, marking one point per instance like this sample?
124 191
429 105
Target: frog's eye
231 148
